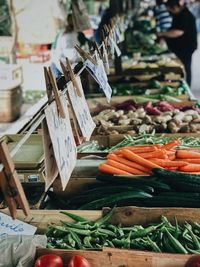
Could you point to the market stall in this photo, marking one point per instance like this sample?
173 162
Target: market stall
114 179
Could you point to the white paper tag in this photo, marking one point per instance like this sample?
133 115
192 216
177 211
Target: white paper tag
116 47
8 226
81 110
62 138
99 74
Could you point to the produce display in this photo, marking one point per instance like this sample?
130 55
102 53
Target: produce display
160 237
161 117
140 160
140 139
153 88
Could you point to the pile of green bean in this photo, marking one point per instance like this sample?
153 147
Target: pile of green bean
161 237
144 139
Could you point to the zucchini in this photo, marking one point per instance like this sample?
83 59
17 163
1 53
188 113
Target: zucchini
111 200
169 201
134 181
177 176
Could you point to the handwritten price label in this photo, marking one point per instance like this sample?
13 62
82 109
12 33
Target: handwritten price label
99 74
8 226
81 110
62 139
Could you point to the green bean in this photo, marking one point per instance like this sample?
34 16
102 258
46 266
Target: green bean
71 241
75 217
76 238
193 236
106 232
77 225
104 219
175 243
87 241
153 245
144 232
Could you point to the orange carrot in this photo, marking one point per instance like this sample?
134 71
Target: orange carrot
194 161
124 167
136 158
142 149
187 154
171 144
168 163
127 162
111 170
154 154
190 168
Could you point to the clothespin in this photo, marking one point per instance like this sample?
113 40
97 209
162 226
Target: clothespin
97 49
85 55
48 85
65 72
77 135
73 78
10 184
56 93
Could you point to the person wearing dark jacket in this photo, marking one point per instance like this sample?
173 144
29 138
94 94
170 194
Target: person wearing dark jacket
182 37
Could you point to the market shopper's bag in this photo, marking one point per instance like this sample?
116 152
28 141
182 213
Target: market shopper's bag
80 16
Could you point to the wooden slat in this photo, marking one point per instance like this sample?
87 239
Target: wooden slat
123 258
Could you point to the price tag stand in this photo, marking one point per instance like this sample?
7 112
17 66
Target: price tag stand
10 184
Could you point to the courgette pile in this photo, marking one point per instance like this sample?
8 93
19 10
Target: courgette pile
164 189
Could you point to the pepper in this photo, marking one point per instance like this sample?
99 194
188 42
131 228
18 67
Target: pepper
75 217
175 243
104 219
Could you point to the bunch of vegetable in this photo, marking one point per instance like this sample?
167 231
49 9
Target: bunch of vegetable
160 118
160 237
140 160
145 139
154 89
164 188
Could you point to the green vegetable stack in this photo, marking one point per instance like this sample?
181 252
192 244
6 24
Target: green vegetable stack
161 237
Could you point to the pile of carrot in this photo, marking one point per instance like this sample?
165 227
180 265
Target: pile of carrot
140 160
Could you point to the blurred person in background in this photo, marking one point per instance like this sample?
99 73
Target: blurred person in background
163 17
63 46
181 38
195 9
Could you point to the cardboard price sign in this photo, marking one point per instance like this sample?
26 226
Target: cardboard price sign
99 74
81 110
62 139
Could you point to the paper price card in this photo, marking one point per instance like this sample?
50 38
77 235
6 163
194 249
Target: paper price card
81 110
62 139
8 226
51 168
99 74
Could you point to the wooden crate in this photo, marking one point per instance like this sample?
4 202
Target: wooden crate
117 257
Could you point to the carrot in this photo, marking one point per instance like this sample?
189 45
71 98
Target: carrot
194 161
168 163
127 162
154 154
171 144
111 170
124 167
135 158
190 168
142 149
187 154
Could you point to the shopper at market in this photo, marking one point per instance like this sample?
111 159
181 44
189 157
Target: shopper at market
163 17
63 46
182 37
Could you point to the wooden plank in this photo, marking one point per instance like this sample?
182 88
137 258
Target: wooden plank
42 218
125 215
123 258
